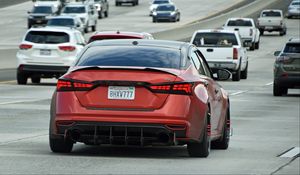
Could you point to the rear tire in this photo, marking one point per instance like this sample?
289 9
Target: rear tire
278 90
106 13
244 73
261 32
237 75
252 47
94 28
223 142
257 45
201 149
36 79
21 78
60 145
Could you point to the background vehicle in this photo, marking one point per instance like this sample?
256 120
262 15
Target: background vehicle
87 13
155 3
66 21
56 3
247 29
271 20
167 12
294 9
40 14
47 52
133 2
102 7
287 68
119 35
223 49
125 92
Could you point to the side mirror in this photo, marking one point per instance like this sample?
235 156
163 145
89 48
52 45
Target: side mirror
221 74
276 53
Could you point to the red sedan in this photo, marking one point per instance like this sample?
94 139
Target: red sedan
141 92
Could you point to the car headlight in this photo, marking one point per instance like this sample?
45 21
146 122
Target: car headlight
82 20
173 13
154 13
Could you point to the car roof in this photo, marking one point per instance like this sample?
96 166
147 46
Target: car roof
294 40
63 17
53 29
166 4
43 5
274 10
141 42
118 33
76 4
245 19
216 31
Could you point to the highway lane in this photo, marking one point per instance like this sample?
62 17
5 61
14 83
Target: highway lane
263 127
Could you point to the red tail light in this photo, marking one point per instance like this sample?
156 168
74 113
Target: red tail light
235 53
68 85
25 46
251 32
67 48
283 59
178 88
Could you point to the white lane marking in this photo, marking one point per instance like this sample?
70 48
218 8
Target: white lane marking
269 84
237 93
292 153
22 101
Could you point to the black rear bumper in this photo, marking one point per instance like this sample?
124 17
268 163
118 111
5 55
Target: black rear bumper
43 71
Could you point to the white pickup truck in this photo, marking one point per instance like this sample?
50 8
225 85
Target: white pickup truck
223 49
247 29
271 20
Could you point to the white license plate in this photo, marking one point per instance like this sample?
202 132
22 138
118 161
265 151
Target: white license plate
121 92
45 52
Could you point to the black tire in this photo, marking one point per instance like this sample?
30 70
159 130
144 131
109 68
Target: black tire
223 142
281 33
257 45
133 3
117 4
36 79
106 13
137 2
100 15
94 28
200 149
236 76
22 78
60 145
28 26
278 90
261 31
244 73
86 29
252 47
154 20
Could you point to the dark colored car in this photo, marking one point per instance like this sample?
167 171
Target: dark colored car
40 15
166 12
119 35
140 92
287 68
133 2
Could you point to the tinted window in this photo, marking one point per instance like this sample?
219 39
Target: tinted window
161 2
61 22
165 8
271 13
74 10
221 39
296 3
239 23
42 9
292 48
47 37
130 56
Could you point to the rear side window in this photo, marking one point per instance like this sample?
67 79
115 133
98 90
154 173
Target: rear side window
44 37
245 23
61 22
131 56
271 13
42 9
292 48
210 38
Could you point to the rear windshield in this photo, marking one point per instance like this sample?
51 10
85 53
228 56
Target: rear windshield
220 39
44 37
74 10
42 9
161 2
296 4
292 48
61 22
271 13
165 8
131 56
239 23
97 38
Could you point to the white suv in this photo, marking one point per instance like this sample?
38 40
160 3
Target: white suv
47 52
86 12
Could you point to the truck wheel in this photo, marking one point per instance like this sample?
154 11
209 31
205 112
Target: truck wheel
237 75
244 73
201 149
257 45
21 78
252 47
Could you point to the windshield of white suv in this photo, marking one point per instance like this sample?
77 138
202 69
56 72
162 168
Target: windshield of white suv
45 37
245 23
74 10
42 9
61 22
213 39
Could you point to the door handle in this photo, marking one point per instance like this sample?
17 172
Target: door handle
209 50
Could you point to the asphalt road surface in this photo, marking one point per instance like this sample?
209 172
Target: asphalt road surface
264 126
